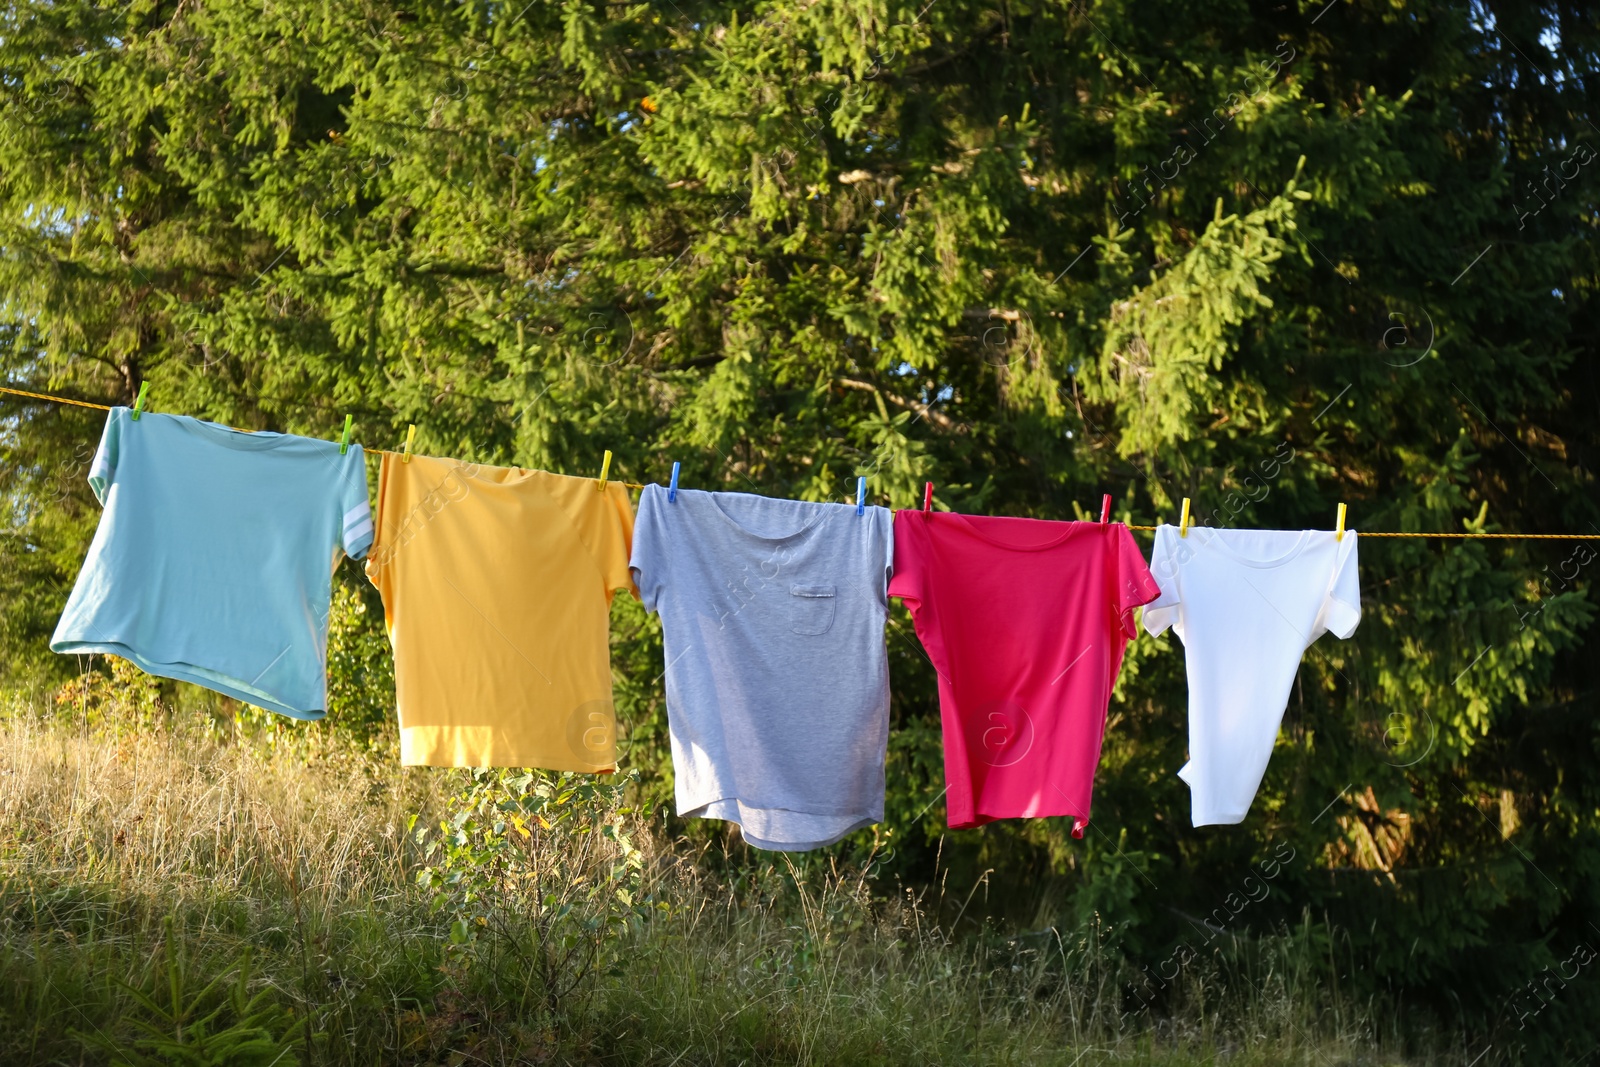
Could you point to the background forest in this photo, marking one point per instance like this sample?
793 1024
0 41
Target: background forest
1268 255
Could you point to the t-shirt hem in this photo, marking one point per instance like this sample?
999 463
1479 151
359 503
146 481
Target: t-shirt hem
983 818
414 754
1220 818
180 672
803 846
860 821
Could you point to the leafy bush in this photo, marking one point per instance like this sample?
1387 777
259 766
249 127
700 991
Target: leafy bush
539 867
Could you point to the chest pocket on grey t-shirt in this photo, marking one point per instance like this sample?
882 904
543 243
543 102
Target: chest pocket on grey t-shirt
811 609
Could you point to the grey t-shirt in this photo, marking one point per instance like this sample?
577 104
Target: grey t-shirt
772 614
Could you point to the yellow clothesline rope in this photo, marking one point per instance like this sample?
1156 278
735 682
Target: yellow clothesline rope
56 399
635 485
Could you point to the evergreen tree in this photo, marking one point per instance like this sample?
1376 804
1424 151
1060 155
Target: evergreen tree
1268 256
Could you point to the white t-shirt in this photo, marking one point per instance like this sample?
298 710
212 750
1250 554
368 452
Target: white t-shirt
1246 604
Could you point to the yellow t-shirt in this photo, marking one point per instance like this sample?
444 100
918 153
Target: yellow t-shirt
496 586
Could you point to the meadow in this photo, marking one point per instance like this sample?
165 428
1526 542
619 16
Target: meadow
175 891
1263 264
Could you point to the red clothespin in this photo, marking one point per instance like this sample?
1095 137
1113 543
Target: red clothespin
927 496
1105 508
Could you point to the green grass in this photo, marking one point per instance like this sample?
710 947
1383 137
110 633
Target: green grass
177 897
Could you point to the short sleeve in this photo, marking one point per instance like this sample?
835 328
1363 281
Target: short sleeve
648 558
1343 610
604 523
1165 562
356 512
613 544
1134 585
908 552
103 471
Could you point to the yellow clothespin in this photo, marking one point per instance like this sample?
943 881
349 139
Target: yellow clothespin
605 471
1183 523
1338 534
411 435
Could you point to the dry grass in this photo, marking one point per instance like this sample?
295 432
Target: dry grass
194 817
295 851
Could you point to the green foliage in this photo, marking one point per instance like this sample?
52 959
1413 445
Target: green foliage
222 1024
1268 257
360 665
120 697
542 867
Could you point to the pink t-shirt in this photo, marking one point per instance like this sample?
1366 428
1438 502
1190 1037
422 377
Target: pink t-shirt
1026 621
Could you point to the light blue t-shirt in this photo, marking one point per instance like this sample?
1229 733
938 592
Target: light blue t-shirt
215 554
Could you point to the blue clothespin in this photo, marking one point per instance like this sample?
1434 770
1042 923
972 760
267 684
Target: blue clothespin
344 442
138 405
861 496
672 489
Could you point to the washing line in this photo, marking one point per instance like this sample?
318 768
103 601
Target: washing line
635 485
107 407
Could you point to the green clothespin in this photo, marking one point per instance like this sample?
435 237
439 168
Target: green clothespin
138 405
344 442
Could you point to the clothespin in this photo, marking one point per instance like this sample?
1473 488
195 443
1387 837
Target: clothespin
1338 533
344 442
138 405
927 496
672 489
605 471
1183 523
411 435
1105 508
861 496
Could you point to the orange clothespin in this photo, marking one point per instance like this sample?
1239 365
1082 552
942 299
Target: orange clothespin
1183 523
1338 533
